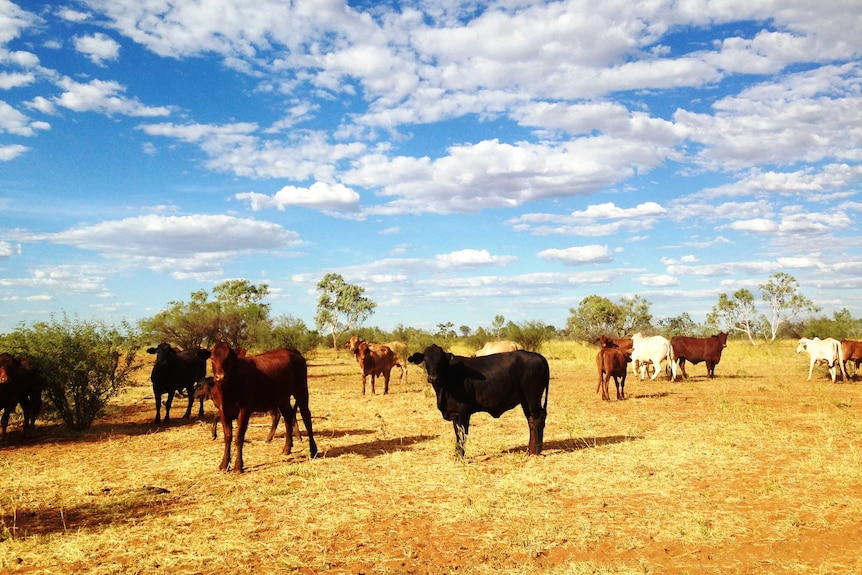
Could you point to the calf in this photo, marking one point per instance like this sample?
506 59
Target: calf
243 385
698 349
173 371
490 384
19 384
611 362
374 362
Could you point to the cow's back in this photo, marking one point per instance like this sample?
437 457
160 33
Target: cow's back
500 382
272 377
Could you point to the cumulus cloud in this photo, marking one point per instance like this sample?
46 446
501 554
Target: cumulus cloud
319 196
98 48
182 246
588 222
577 255
104 97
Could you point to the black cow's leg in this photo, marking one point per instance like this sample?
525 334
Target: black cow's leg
158 396
461 425
241 428
201 408
191 393
227 431
168 402
4 422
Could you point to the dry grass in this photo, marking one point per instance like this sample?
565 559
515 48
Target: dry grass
757 471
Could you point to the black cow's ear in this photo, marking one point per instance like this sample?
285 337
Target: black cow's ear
416 358
204 354
152 350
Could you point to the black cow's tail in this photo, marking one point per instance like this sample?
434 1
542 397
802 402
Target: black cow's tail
547 387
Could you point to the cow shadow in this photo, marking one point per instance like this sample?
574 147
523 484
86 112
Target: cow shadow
107 506
656 395
580 443
376 448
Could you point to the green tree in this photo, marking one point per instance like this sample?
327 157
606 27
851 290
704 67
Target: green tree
82 365
446 330
842 325
781 292
596 315
679 325
636 315
341 306
236 314
530 335
288 331
497 326
735 314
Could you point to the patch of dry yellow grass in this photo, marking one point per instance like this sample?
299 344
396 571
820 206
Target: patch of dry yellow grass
757 471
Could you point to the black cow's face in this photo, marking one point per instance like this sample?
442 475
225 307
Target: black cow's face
162 351
436 362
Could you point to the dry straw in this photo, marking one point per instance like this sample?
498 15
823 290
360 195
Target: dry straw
757 471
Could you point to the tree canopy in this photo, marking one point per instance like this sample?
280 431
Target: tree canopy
341 306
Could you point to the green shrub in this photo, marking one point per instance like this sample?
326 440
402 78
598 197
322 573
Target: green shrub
82 365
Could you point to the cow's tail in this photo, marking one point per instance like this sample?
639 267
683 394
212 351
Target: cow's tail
547 387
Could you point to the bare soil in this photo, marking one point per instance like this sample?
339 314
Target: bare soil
757 471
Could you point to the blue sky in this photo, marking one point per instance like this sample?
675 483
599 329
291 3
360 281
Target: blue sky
459 160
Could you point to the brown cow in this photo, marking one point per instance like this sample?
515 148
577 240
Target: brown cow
610 361
374 362
397 347
850 351
698 349
19 384
203 390
262 382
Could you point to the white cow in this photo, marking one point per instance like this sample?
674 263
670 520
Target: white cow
827 351
654 350
493 347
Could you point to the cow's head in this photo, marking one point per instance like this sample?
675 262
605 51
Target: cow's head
802 346
204 388
7 365
222 357
722 339
436 362
162 351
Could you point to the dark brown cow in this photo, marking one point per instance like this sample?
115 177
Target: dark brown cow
262 382
850 351
698 349
611 362
19 384
374 362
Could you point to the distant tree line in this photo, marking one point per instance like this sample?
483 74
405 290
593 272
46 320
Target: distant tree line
85 363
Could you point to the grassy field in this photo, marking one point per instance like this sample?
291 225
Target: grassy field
756 471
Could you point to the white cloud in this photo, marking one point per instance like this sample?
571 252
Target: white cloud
8 153
14 122
578 255
98 48
104 97
319 196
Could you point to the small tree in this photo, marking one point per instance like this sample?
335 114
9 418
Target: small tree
82 365
530 335
781 292
596 315
341 306
738 313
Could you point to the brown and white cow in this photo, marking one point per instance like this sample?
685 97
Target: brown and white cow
492 347
612 362
850 351
374 362
244 385
698 349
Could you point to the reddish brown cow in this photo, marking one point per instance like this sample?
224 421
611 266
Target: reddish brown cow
624 344
698 349
850 351
203 390
19 384
374 362
397 347
262 382
611 362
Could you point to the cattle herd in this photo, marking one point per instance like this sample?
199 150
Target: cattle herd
494 380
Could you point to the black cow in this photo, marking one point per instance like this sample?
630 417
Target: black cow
698 349
175 370
493 384
19 384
